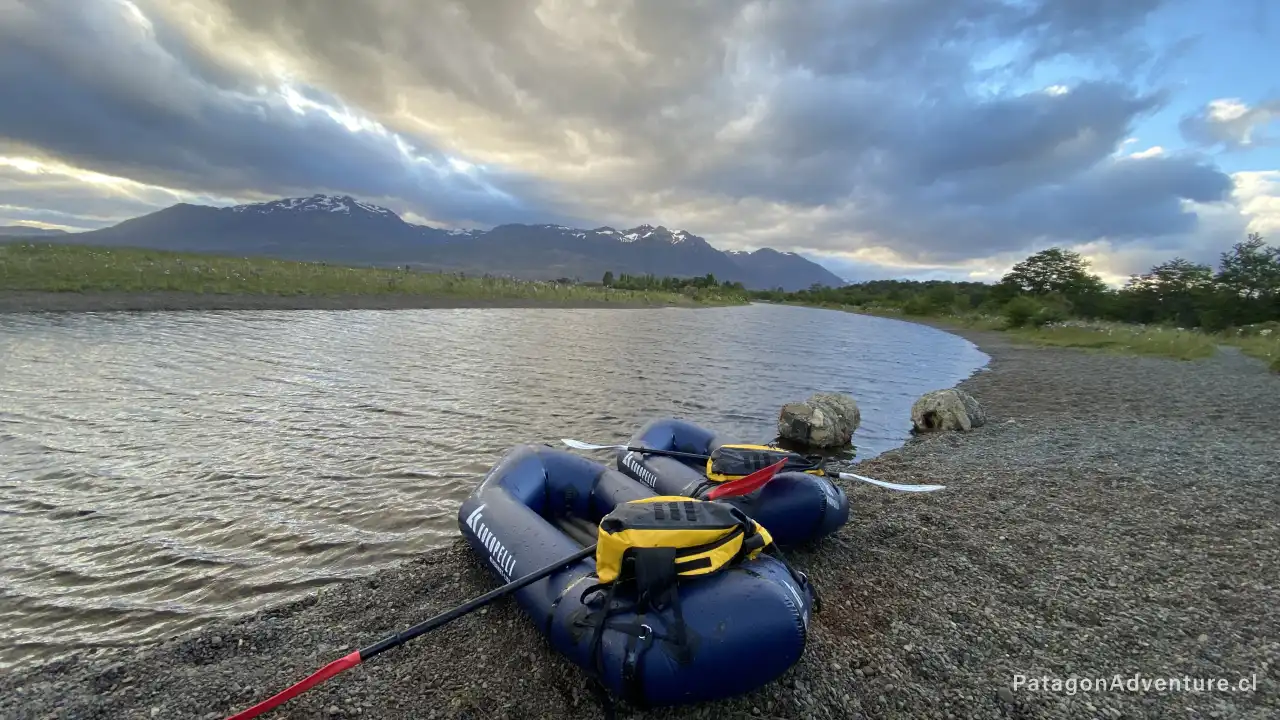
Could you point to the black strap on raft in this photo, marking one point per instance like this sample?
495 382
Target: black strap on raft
651 574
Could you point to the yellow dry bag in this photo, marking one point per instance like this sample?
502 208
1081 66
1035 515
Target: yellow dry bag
730 462
674 536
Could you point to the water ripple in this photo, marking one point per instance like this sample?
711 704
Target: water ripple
163 468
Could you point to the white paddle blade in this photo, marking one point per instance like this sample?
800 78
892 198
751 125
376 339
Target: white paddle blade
892 486
579 445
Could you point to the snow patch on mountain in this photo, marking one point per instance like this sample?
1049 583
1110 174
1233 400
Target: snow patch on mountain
316 203
645 232
372 208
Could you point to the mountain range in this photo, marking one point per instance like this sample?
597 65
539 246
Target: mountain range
28 231
341 229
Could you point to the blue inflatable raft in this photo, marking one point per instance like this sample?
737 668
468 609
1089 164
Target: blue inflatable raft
796 507
745 625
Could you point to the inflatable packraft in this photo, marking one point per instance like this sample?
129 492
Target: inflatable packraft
797 506
723 633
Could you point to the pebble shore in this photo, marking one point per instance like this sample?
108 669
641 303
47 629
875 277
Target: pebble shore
1116 516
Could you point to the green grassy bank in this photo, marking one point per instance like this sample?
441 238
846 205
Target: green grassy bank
1261 341
56 267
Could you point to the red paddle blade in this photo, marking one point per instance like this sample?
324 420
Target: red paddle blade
747 485
343 663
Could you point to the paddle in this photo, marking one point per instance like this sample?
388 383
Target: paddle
349 661
579 445
748 484
889 485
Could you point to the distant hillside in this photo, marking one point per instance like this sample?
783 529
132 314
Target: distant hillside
28 231
341 229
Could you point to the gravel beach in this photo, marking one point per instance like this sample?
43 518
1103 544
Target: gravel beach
1116 516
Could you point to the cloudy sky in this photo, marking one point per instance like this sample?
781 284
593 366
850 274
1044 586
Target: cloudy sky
884 138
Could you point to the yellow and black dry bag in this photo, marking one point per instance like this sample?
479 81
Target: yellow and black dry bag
730 462
687 536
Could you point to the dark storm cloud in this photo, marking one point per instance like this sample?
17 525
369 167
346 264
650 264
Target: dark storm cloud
1092 29
1231 124
501 55
1122 200
96 97
905 124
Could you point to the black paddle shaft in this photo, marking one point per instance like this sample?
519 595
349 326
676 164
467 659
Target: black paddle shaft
669 453
401 638
816 464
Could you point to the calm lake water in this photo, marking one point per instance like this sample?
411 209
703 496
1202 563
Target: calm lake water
157 469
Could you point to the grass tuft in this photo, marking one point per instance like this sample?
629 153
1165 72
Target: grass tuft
1127 339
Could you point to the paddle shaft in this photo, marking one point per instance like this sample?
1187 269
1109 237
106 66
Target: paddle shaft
823 471
401 638
668 453
349 661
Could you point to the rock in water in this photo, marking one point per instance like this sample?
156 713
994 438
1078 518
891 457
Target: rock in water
824 420
947 410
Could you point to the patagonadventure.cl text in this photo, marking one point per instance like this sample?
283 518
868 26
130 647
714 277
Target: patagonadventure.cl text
1133 683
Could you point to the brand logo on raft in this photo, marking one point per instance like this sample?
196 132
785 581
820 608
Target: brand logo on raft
829 489
633 464
800 606
504 561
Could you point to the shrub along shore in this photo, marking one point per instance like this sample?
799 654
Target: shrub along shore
56 276
1178 309
1261 341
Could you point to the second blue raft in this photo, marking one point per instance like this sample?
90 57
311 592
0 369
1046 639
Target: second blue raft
796 507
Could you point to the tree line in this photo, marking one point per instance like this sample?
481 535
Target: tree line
625 281
1056 284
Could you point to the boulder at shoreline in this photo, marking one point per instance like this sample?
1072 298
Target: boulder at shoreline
949 409
824 420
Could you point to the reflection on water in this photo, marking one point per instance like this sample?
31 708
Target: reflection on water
160 468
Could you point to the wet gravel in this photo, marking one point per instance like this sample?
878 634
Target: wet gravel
1116 516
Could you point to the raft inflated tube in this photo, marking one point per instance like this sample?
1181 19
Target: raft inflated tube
748 623
796 507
